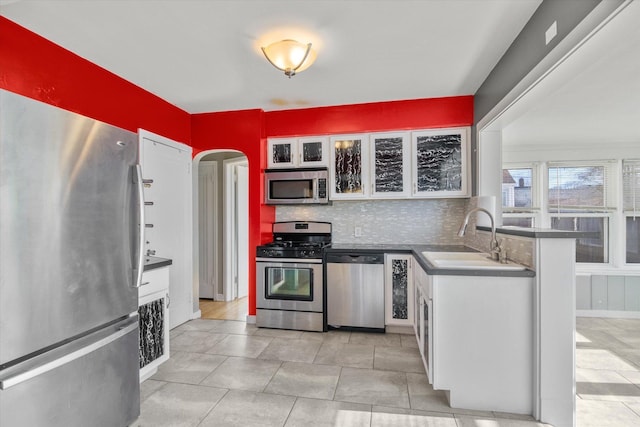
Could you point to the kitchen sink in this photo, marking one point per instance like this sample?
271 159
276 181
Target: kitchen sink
468 261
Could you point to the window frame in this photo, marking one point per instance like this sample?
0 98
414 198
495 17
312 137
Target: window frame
624 214
535 210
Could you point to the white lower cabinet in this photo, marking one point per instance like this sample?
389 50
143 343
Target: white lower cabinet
423 319
475 335
398 284
153 302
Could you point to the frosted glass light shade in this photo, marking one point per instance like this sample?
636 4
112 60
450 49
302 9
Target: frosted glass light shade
290 56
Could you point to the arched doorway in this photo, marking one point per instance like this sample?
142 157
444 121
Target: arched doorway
221 252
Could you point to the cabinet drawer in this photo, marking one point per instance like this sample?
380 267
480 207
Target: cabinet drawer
154 281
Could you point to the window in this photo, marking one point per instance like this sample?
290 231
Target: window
589 249
519 202
600 197
631 208
579 200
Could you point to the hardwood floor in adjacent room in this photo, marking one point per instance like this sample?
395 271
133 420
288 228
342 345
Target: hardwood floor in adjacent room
232 310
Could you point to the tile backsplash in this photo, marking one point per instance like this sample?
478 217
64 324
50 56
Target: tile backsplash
518 249
433 221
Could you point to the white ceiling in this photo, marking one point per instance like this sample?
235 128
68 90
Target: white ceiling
592 99
204 55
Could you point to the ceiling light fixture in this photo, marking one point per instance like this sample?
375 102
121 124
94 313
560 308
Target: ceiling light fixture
289 56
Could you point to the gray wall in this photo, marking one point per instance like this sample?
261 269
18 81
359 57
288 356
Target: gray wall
609 293
529 49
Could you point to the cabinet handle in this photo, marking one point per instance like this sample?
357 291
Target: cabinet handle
148 203
144 283
147 181
149 225
168 300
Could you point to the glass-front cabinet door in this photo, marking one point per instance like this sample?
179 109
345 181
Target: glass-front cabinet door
440 163
313 152
398 289
425 338
297 152
349 166
281 152
390 160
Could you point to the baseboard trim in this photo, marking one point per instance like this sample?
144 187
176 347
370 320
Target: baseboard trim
609 313
251 319
400 329
196 314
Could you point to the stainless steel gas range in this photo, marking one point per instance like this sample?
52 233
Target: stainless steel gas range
290 277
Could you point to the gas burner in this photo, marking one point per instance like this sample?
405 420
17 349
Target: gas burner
297 240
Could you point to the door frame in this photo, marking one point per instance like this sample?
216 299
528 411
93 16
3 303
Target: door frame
230 225
190 243
212 199
196 224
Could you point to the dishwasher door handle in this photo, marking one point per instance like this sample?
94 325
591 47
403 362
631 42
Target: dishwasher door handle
355 258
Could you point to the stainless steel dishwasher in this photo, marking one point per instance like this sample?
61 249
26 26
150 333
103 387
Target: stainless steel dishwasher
355 290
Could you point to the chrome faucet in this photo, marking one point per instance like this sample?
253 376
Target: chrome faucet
495 246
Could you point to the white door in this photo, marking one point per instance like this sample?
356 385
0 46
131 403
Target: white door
169 230
242 228
207 220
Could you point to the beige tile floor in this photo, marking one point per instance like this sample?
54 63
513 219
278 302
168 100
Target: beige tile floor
226 373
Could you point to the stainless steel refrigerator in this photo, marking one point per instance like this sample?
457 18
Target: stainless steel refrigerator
70 264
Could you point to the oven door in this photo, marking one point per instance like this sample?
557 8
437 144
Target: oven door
289 284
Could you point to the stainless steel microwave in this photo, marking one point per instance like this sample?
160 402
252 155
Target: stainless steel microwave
296 186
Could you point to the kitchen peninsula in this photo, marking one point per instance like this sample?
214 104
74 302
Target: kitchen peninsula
500 340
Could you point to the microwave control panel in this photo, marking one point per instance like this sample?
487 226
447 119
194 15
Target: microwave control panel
322 188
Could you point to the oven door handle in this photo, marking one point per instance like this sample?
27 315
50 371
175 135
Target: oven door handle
276 261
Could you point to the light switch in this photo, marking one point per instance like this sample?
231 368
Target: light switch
551 32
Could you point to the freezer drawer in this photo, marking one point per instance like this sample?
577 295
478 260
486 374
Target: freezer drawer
88 382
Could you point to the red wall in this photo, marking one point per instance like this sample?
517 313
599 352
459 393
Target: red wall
372 117
32 66
242 131
37 68
246 131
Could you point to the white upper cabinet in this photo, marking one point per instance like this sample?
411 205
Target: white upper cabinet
349 172
419 164
297 152
440 163
281 152
389 165
313 152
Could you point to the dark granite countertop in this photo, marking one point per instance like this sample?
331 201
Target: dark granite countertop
417 250
391 248
540 233
153 262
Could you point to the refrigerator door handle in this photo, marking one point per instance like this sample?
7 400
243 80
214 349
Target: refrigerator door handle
42 368
140 265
